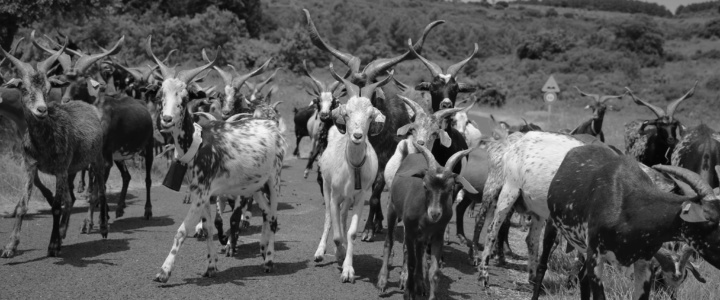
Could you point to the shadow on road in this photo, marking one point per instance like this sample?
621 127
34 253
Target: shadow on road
77 254
129 225
237 275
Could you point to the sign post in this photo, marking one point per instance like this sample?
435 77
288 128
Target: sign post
551 90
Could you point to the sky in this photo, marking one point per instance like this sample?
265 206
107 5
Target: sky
673 4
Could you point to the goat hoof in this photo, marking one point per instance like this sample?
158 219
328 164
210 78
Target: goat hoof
378 226
104 231
119 213
211 271
245 224
201 234
230 251
348 275
162 276
269 266
368 236
319 258
420 288
305 174
54 249
463 240
8 253
340 255
483 279
80 189
382 283
148 214
87 227
403 280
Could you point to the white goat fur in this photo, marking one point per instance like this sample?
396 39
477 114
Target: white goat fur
522 162
468 128
339 183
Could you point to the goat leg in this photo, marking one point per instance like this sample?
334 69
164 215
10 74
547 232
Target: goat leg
435 252
374 222
148 178
507 198
548 241
320 252
235 220
193 217
20 211
387 249
120 209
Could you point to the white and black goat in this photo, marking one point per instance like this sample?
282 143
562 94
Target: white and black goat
349 166
58 139
242 158
608 208
421 197
469 128
232 101
594 125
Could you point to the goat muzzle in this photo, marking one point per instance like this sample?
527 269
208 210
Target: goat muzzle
446 103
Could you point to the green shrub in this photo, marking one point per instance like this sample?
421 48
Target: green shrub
642 36
551 13
713 83
569 15
531 12
584 60
502 4
545 45
492 97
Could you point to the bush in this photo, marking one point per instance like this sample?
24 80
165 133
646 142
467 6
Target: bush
545 45
584 60
531 12
551 13
502 4
711 54
674 56
713 83
711 29
643 37
569 15
492 97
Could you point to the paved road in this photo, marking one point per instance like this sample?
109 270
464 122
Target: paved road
124 265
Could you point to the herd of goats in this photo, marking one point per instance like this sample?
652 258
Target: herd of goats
653 206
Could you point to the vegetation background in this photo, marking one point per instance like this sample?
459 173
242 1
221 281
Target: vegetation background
598 46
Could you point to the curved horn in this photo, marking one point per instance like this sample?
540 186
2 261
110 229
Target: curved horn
452 70
368 90
401 85
44 66
188 75
348 59
659 112
584 94
226 76
605 98
455 158
86 61
25 68
333 86
442 114
433 67
474 101
673 105
352 89
132 71
167 57
416 108
432 163
319 86
380 66
274 105
238 81
165 71
691 178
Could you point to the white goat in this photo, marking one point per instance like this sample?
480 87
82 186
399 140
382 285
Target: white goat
467 127
349 166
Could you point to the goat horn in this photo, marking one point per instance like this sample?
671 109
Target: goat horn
25 68
262 84
474 101
226 76
165 71
433 67
416 108
691 178
673 105
319 87
44 66
368 90
380 66
56 44
240 80
133 72
441 114
188 75
13 49
432 163
65 60
84 62
584 94
455 158
659 112
401 86
352 89
333 86
348 59
452 70
274 105
606 98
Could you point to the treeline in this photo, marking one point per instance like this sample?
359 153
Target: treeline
698 7
624 6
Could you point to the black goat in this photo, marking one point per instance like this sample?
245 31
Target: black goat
605 205
655 146
61 139
422 198
594 125
699 151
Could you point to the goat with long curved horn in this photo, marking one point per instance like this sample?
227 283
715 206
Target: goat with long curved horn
673 105
188 75
348 59
659 112
165 71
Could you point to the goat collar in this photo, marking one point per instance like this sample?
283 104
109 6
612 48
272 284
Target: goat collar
196 141
356 169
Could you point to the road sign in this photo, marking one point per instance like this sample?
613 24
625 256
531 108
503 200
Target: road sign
551 86
550 97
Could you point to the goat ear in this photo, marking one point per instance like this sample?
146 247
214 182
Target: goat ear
444 138
466 184
55 81
419 173
466 88
338 117
376 126
404 129
692 212
423 86
281 125
693 269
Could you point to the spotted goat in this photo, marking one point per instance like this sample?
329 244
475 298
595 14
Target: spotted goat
242 158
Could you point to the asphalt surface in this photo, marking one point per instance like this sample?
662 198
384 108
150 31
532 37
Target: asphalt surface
124 265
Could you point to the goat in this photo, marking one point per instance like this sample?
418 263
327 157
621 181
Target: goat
395 111
467 127
699 150
608 208
652 147
669 270
422 198
58 139
349 166
233 82
302 119
239 158
127 124
594 125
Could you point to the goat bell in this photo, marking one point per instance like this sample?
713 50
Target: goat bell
174 177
